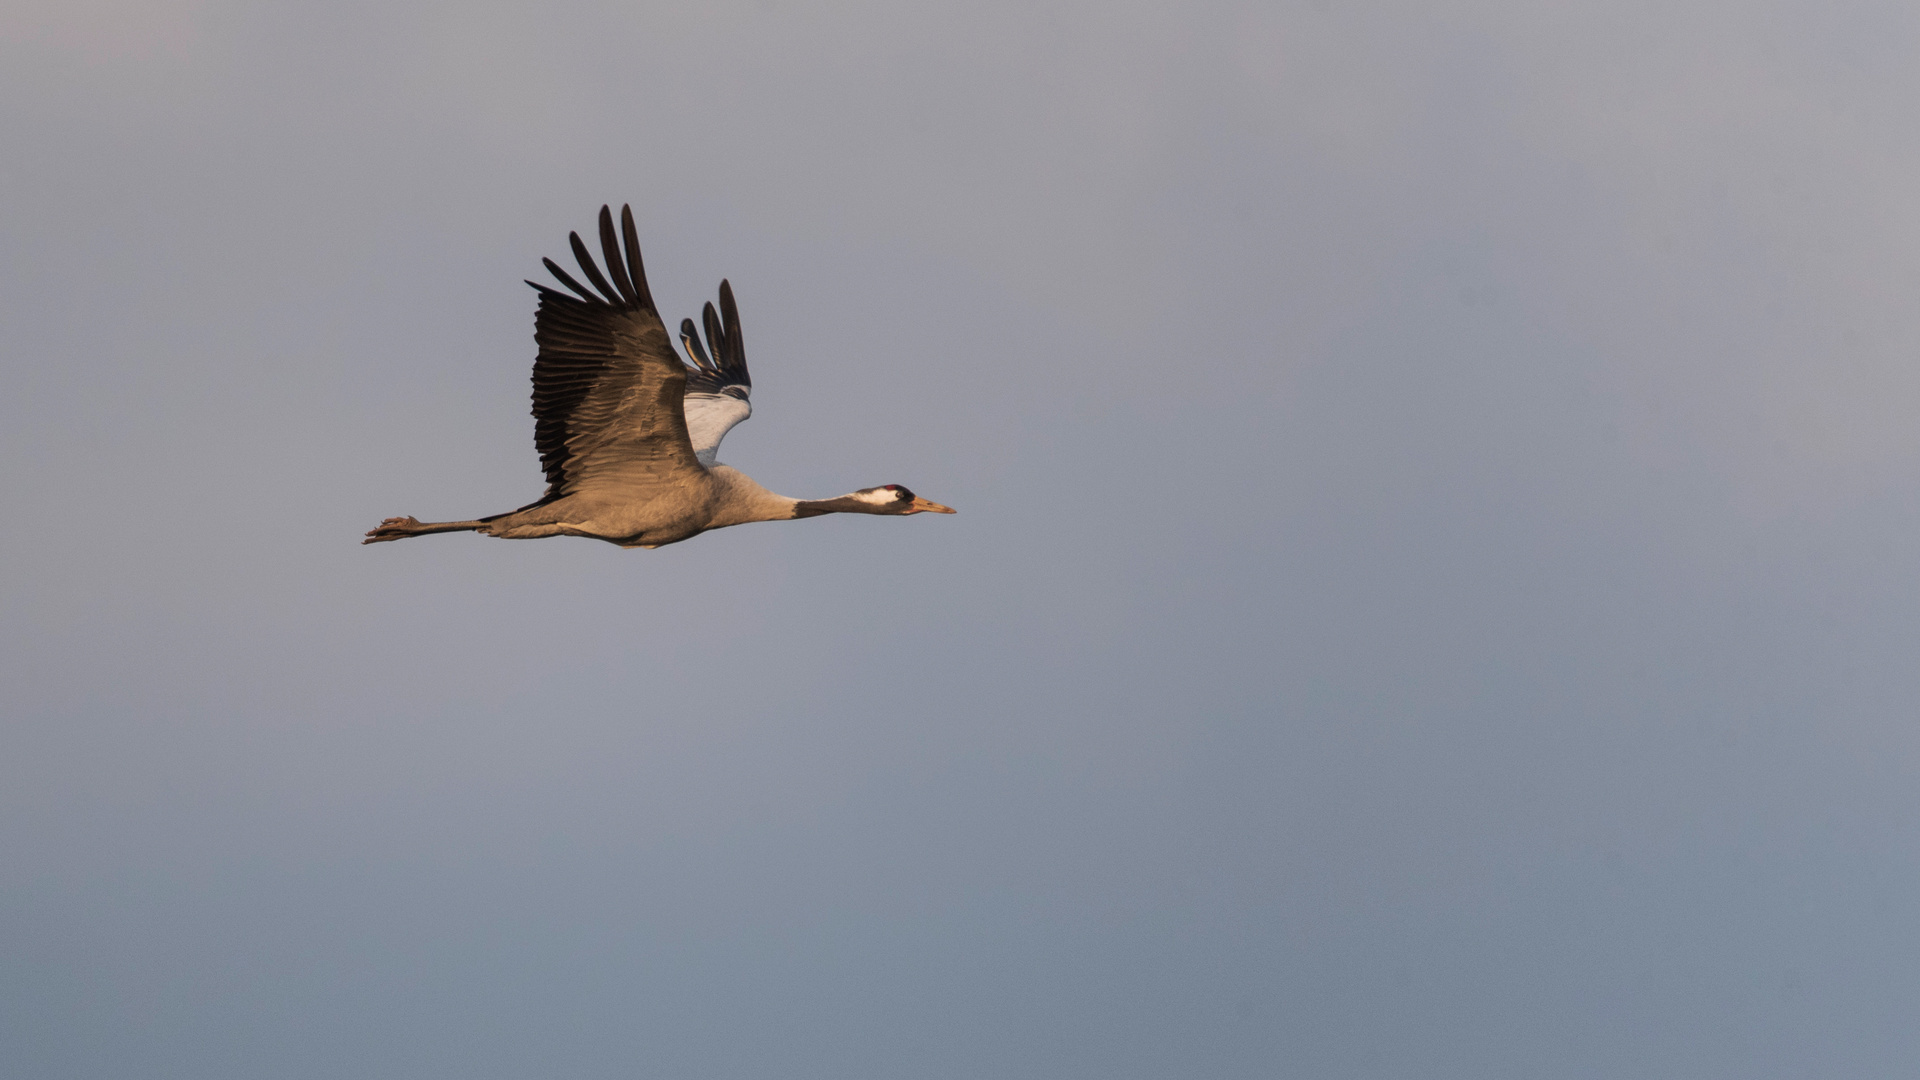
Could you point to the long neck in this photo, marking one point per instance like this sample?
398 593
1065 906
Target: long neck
742 500
845 504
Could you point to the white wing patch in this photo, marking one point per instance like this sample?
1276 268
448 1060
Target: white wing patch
709 418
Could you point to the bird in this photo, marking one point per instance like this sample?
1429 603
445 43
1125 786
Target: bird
627 432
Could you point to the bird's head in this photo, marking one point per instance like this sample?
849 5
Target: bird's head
894 499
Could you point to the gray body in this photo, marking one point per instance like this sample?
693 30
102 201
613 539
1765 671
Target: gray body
648 515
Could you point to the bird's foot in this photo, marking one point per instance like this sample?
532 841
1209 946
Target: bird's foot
395 528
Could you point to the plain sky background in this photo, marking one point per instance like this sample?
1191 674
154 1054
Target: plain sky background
1435 593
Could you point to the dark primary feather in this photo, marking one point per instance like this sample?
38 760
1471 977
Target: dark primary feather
690 337
607 386
637 272
726 363
736 357
588 268
616 268
716 336
554 269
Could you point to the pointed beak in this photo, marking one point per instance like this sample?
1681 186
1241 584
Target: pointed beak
922 506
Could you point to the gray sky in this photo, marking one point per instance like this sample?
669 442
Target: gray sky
1435 592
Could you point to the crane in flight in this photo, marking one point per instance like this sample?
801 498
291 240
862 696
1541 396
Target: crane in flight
627 433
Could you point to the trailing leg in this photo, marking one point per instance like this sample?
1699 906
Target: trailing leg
402 527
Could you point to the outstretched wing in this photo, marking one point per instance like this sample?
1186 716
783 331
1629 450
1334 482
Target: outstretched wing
718 387
607 386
